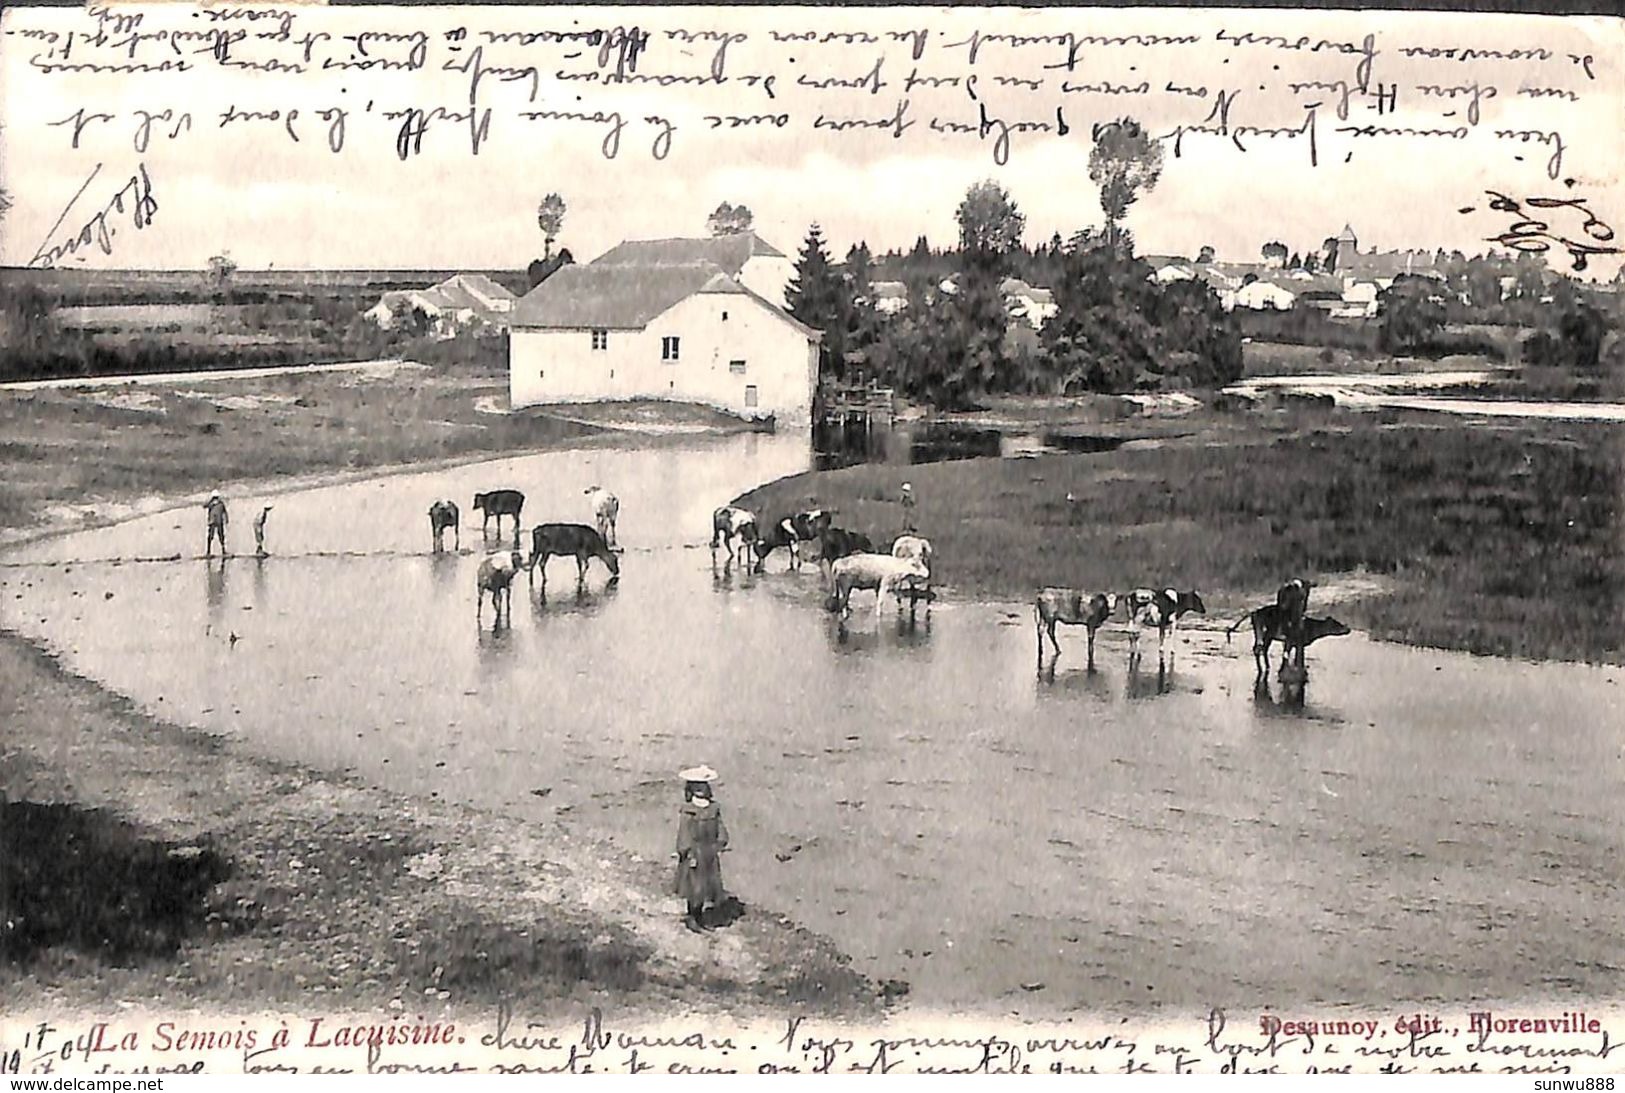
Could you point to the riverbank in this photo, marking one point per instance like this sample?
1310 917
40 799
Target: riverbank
1491 538
299 888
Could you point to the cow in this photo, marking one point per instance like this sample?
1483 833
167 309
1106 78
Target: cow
919 549
606 509
781 534
1273 622
1268 628
836 543
1292 600
496 574
790 533
1075 608
1161 608
443 515
547 540
729 522
500 503
1313 630
881 572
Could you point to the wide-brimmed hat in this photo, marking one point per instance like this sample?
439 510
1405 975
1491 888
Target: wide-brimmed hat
700 773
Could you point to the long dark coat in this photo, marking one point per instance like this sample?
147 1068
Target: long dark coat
700 839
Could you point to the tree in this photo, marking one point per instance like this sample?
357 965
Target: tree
990 225
1411 312
819 297
221 267
1274 253
543 268
1124 163
1206 256
1328 250
1311 262
1295 262
729 220
550 218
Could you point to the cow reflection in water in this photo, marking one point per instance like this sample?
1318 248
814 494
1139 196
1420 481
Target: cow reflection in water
1085 681
497 650
582 602
912 631
1140 684
443 571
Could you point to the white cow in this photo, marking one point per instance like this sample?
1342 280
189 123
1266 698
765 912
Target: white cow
917 548
881 572
495 576
606 508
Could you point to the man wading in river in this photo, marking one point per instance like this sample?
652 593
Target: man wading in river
701 838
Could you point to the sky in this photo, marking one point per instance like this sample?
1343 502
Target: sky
233 178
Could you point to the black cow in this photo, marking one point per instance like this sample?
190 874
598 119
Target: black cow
791 532
500 503
579 540
443 515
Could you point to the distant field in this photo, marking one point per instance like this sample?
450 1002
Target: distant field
1498 539
127 316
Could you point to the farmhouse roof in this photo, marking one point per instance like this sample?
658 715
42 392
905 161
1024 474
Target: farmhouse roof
727 252
479 286
888 290
628 297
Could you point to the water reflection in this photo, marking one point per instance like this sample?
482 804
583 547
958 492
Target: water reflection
1080 682
215 591
443 571
904 444
261 598
581 602
1141 684
497 649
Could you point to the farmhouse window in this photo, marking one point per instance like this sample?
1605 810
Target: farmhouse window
600 339
750 395
668 348
736 368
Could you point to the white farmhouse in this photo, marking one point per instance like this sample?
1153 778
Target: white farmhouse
686 332
745 256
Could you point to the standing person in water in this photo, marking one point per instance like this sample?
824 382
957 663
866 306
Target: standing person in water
701 838
259 532
217 517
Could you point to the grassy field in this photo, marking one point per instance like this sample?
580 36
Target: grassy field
1495 539
67 448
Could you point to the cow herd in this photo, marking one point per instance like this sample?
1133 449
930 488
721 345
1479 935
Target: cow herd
498 570
848 558
1285 621
850 562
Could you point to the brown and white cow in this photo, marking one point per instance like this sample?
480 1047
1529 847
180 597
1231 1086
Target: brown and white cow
1074 607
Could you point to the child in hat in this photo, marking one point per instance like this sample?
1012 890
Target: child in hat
701 838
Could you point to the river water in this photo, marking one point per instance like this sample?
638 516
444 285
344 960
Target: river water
1430 826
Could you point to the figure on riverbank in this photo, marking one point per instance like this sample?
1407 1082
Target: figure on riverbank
908 507
217 518
259 531
701 838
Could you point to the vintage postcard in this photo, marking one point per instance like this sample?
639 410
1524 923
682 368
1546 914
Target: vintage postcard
803 539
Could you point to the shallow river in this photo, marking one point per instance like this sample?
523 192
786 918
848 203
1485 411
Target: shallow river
1433 825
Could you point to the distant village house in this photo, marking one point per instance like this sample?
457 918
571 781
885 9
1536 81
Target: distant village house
464 302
